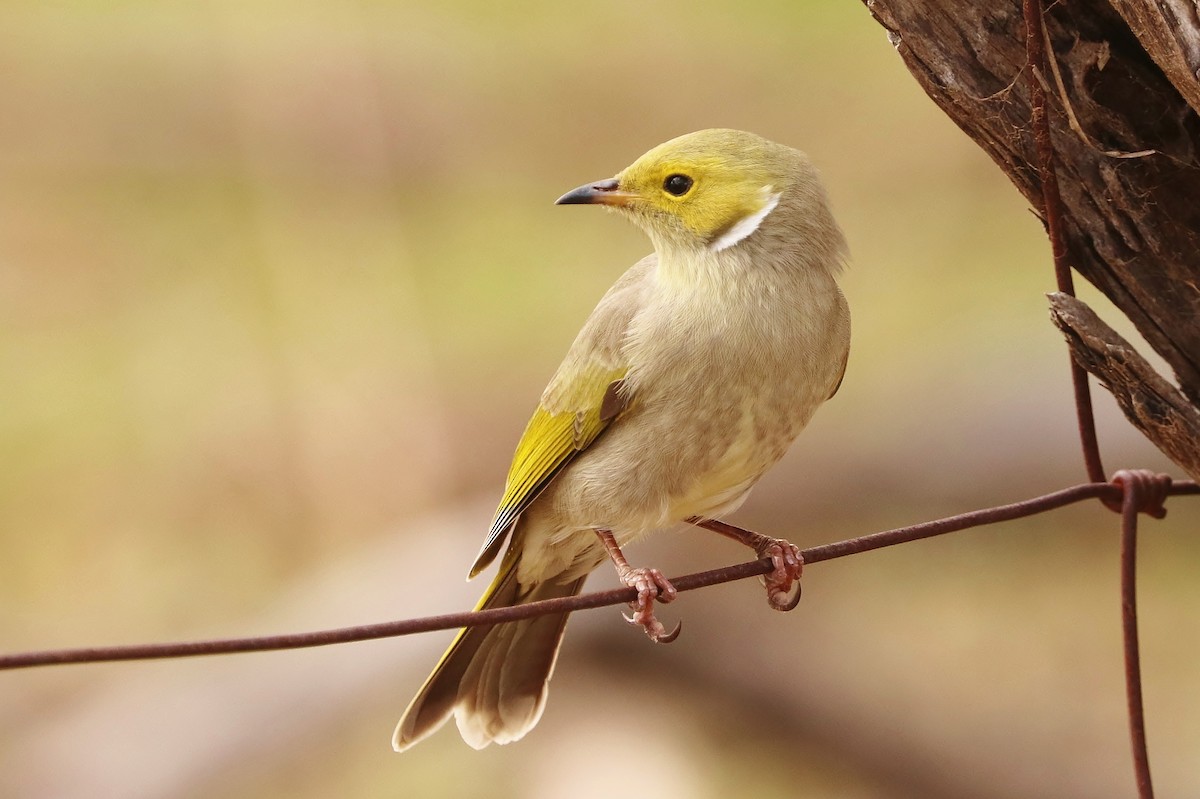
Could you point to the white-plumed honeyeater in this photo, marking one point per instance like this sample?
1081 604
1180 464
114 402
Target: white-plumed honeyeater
689 380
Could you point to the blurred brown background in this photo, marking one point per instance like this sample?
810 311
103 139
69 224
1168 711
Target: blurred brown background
279 285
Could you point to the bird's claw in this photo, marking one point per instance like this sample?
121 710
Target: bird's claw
788 568
651 585
654 629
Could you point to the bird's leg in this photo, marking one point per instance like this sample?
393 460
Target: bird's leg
785 556
650 585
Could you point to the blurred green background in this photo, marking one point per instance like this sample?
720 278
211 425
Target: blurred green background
279 285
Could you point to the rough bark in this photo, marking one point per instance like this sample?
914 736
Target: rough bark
1149 401
1123 100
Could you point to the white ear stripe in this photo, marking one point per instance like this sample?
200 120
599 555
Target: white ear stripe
747 224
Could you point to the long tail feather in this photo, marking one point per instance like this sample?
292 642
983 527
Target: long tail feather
494 679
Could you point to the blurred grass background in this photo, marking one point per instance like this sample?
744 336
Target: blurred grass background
281 281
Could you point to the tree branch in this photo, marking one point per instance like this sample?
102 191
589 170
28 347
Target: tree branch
1132 224
1149 401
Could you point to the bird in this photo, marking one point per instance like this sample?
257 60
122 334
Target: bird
689 380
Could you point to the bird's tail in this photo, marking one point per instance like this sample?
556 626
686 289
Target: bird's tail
494 679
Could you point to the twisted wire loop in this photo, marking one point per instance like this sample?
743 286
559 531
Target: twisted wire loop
1145 489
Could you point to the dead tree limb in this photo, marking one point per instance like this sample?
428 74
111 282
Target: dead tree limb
1149 401
1124 95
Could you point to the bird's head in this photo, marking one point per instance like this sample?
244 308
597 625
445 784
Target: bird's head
714 189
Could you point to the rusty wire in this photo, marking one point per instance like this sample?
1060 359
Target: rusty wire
1111 491
1036 41
1140 490
1143 493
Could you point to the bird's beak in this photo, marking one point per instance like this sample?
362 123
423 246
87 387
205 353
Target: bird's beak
603 192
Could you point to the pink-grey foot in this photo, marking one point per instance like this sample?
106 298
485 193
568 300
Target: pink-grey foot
788 568
650 584
785 556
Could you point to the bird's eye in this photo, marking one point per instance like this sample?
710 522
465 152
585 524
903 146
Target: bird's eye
677 185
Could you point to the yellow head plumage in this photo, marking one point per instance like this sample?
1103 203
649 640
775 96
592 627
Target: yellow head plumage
708 189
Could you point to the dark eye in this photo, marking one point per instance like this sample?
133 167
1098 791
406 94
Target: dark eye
677 185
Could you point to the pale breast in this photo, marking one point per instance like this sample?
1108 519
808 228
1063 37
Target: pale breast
720 387
717 400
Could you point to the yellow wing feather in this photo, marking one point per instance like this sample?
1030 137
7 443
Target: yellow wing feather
550 441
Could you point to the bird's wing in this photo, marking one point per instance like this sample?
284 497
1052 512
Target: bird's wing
586 394
550 441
